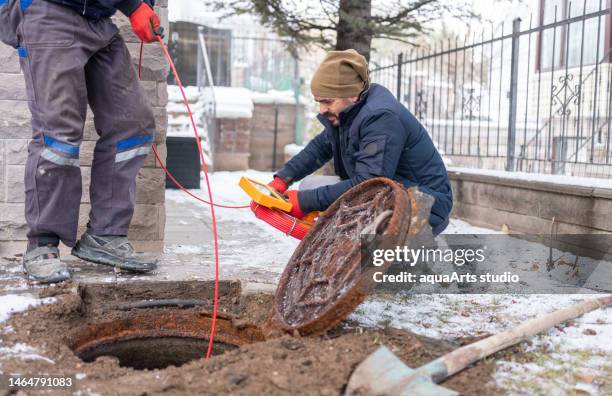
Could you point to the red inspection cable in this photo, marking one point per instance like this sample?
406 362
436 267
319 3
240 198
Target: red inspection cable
172 178
288 224
282 221
180 186
210 202
210 198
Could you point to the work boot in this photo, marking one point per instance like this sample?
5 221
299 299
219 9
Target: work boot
42 264
113 250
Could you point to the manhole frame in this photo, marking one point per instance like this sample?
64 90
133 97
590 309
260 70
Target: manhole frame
161 323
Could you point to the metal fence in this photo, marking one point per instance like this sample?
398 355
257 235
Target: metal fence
534 100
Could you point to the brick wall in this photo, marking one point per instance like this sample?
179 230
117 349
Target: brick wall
147 230
232 144
262 134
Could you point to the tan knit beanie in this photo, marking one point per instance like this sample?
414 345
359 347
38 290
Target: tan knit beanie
341 75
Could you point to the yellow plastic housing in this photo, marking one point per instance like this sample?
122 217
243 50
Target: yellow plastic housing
264 195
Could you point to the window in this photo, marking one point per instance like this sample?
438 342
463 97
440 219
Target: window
565 45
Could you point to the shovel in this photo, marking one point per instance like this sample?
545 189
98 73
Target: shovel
382 373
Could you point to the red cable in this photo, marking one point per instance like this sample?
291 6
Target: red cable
176 183
210 197
280 220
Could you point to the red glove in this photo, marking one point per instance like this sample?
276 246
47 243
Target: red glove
278 184
292 195
145 23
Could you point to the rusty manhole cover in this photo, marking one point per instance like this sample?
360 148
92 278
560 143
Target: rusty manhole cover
323 281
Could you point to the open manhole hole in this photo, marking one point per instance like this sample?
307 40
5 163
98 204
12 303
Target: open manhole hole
159 339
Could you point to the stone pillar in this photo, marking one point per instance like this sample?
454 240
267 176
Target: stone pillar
232 144
262 134
147 229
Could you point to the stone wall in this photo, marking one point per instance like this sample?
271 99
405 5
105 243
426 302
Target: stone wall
147 230
532 207
232 144
529 206
262 134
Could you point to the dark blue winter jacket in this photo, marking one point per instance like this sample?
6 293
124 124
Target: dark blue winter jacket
377 136
96 9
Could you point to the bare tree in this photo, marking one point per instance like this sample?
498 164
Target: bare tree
343 24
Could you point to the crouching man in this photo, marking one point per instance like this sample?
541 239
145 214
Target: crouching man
368 133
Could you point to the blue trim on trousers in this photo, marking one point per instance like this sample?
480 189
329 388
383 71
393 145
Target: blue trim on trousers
25 4
62 147
133 141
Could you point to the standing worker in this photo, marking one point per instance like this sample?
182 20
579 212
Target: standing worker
72 54
368 133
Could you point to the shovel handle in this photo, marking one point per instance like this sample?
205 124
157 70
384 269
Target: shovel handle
459 359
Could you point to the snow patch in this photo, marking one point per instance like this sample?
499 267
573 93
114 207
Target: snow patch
12 303
185 249
253 245
23 352
293 149
556 179
457 226
275 97
229 102
578 346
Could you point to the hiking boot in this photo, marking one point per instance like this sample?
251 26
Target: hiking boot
112 250
42 264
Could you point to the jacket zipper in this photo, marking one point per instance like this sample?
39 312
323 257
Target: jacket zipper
84 7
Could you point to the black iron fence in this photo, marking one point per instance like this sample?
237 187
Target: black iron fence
535 100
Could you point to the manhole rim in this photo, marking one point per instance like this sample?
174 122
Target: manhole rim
162 325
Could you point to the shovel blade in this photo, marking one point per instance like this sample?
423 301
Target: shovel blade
382 373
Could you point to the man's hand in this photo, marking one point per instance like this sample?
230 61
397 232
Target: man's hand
145 23
278 184
292 196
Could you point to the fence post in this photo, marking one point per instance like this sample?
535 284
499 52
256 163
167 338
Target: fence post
275 141
400 59
514 65
200 65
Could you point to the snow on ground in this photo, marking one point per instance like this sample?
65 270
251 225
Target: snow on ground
457 226
551 362
12 303
276 97
566 359
22 351
225 191
244 241
580 347
555 362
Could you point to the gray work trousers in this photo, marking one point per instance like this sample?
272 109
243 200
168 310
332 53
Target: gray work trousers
69 61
